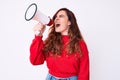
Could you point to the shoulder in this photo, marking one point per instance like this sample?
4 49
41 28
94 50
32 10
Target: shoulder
82 43
83 46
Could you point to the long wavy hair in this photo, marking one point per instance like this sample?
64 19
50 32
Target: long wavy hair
53 42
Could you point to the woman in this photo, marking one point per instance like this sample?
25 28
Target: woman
64 50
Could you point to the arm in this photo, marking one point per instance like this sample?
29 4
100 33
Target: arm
36 54
84 63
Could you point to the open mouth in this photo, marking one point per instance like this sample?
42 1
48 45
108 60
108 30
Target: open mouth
57 25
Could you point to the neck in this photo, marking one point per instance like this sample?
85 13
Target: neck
64 33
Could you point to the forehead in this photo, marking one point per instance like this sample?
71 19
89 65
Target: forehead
62 12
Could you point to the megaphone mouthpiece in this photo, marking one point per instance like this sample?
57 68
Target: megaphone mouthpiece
50 22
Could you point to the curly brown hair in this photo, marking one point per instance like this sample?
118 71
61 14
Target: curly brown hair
54 41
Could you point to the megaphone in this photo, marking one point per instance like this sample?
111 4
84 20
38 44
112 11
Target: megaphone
32 13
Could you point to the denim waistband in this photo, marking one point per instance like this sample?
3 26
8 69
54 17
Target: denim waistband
50 77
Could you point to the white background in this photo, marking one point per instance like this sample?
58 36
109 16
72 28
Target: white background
99 22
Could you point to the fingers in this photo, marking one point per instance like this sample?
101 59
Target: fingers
39 29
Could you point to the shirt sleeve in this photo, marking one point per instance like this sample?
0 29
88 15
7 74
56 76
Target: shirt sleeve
84 63
36 54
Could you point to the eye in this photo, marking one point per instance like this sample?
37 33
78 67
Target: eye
61 16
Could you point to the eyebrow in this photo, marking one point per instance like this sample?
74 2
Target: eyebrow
60 15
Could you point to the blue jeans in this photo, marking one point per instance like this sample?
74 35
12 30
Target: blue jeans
50 77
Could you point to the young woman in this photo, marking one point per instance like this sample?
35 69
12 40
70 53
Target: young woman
64 50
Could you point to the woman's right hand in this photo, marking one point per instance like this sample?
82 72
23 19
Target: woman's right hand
39 29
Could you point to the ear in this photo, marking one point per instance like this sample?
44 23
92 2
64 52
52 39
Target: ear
69 23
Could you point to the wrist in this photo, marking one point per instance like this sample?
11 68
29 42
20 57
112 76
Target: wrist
38 33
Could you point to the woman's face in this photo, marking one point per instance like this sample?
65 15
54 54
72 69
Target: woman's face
62 23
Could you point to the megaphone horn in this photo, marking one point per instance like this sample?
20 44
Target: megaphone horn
32 13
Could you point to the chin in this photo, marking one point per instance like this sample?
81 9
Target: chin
58 31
